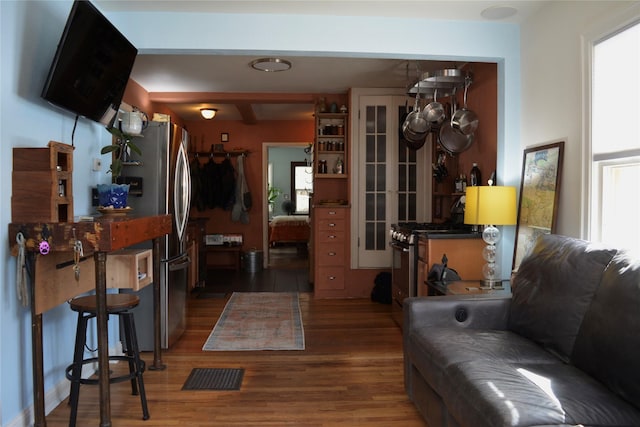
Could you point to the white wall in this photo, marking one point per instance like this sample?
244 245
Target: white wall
30 33
553 105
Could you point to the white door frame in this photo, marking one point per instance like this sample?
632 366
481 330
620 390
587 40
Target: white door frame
395 98
263 189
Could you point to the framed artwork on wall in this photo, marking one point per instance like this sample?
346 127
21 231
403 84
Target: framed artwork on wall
539 195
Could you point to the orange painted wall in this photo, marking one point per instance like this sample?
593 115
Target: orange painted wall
137 96
245 137
482 98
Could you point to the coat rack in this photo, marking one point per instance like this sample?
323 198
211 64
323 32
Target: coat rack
217 153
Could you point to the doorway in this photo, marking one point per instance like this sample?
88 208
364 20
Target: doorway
281 160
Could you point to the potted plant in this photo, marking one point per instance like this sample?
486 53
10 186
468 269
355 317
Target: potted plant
114 195
272 195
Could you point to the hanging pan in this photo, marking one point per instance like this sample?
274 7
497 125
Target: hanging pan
414 121
414 140
415 127
452 141
434 113
465 121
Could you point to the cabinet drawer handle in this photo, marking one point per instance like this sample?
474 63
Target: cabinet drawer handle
332 254
331 224
332 212
332 236
331 277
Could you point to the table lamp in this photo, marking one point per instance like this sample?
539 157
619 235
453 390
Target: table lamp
490 206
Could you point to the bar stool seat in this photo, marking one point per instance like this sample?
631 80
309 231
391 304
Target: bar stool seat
119 305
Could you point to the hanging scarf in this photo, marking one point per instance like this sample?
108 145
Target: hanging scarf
243 196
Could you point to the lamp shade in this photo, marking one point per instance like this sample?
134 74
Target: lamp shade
493 205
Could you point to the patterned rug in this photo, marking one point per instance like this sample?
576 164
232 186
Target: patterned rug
258 321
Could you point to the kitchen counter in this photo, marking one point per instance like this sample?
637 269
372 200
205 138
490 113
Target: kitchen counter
462 248
450 234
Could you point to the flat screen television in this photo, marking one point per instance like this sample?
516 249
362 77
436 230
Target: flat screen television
91 67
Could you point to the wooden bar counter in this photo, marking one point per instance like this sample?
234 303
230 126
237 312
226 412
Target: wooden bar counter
99 237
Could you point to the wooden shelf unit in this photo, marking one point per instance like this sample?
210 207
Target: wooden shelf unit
331 145
42 184
130 268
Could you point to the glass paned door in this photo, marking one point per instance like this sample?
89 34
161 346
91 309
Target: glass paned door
407 179
376 177
393 184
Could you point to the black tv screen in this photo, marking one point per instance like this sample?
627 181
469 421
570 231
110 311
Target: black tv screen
91 66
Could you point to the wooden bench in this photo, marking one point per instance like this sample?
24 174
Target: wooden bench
232 253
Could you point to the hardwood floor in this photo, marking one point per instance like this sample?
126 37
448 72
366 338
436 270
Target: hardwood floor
292 256
350 374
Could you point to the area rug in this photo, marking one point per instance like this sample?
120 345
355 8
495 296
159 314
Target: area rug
258 321
214 379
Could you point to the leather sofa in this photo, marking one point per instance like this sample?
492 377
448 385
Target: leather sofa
562 350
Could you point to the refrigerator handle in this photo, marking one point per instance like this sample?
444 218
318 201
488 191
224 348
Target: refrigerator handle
182 190
178 262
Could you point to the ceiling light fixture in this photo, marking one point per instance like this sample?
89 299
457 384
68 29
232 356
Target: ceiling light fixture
495 13
270 64
208 113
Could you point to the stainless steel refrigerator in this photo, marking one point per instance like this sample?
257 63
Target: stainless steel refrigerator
164 188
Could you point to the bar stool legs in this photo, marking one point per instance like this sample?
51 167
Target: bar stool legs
136 365
78 353
85 306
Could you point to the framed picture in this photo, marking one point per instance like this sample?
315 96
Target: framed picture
224 137
539 192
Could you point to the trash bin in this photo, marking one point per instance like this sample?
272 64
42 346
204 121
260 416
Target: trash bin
252 261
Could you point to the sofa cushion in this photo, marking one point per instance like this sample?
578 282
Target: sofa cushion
553 289
433 350
486 393
608 344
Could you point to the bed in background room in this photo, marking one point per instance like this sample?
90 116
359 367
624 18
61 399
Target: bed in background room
289 229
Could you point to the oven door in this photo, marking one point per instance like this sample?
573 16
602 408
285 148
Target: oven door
400 278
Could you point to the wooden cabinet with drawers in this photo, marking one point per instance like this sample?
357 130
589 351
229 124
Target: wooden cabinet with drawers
331 247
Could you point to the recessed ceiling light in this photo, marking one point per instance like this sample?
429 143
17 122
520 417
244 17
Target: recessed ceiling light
498 12
270 64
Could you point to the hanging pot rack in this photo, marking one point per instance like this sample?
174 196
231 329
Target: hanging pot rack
443 80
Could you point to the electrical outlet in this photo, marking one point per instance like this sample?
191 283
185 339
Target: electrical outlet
97 165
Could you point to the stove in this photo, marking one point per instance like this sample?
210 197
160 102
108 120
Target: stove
408 231
404 244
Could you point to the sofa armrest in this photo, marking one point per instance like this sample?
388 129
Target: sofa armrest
464 311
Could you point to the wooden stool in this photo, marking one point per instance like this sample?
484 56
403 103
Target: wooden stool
117 304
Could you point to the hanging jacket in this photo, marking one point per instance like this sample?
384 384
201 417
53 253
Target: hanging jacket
210 182
243 196
227 185
197 183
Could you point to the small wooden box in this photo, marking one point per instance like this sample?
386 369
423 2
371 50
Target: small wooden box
130 268
42 184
